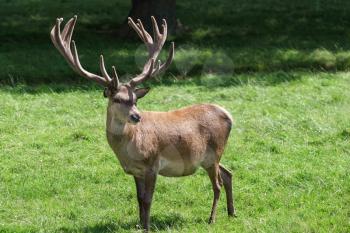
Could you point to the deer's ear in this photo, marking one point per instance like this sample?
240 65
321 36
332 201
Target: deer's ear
141 92
105 92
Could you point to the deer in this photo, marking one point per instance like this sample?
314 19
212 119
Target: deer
147 143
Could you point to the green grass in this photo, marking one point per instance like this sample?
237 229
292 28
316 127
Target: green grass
289 151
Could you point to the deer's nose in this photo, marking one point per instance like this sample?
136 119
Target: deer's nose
135 118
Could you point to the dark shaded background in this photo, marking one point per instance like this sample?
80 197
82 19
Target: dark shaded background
231 37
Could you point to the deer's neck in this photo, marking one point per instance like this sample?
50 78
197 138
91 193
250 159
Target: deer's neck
118 128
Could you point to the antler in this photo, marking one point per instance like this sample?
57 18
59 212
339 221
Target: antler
62 41
154 46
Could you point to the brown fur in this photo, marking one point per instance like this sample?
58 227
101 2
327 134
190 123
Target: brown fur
191 134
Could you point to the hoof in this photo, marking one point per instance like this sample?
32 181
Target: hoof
211 221
233 215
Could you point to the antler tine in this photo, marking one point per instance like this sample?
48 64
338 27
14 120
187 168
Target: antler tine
57 39
145 34
154 46
103 69
62 42
143 76
68 29
53 35
115 77
169 59
136 28
165 31
156 33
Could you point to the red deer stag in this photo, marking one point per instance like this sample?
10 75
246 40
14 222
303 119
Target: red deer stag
173 143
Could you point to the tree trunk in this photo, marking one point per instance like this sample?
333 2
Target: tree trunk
144 9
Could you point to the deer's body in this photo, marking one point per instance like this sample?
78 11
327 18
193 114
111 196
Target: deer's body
173 143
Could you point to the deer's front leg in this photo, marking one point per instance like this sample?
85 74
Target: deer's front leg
150 183
140 190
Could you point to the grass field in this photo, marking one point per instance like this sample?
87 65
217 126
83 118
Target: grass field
289 151
280 68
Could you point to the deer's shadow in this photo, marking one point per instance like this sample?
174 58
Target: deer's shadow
158 222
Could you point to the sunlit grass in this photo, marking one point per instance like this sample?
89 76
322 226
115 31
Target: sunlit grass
289 151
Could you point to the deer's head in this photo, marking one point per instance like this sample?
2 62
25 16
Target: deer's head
122 96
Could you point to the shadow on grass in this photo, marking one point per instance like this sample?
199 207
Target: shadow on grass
234 37
157 223
210 81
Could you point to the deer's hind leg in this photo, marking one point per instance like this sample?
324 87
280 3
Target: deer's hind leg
227 181
214 175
